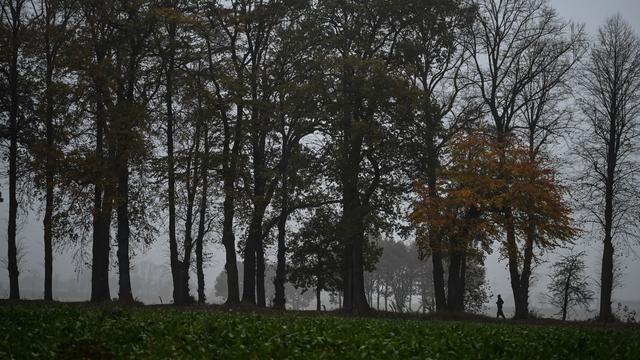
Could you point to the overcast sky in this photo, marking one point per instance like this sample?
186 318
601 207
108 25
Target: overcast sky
594 12
590 12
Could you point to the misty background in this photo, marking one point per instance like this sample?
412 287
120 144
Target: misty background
151 276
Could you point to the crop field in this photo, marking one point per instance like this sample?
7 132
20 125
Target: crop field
76 332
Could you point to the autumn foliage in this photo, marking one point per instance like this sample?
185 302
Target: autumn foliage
488 186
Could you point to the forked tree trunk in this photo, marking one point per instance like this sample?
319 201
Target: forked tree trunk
253 286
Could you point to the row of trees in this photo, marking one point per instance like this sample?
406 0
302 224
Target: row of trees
501 181
401 276
204 120
394 272
137 106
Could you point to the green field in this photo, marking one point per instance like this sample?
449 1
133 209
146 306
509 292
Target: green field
73 332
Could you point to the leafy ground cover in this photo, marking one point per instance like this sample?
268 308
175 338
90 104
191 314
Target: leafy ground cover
75 332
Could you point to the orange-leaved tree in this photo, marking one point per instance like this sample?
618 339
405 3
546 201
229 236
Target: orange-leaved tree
487 187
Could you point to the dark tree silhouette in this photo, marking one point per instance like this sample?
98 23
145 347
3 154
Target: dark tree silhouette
13 27
99 44
569 287
611 106
53 29
316 255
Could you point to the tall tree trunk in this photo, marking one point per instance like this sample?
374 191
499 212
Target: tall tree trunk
565 300
103 196
318 301
435 241
514 274
359 300
438 278
122 236
378 293
100 259
12 253
455 282
230 170
606 275
250 250
352 231
525 277
281 258
520 299
606 280
176 272
228 240
201 224
278 282
199 268
351 226
49 174
520 280
253 284
14 288
123 141
191 184
260 273
255 226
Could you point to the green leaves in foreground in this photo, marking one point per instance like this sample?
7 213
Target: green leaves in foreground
104 333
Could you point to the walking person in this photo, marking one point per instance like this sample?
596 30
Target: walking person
499 303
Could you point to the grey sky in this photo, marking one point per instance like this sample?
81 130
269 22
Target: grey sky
594 12
591 12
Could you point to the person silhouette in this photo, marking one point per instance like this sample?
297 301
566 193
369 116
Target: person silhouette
499 303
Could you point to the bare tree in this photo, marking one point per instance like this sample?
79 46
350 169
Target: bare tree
521 50
569 287
611 107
